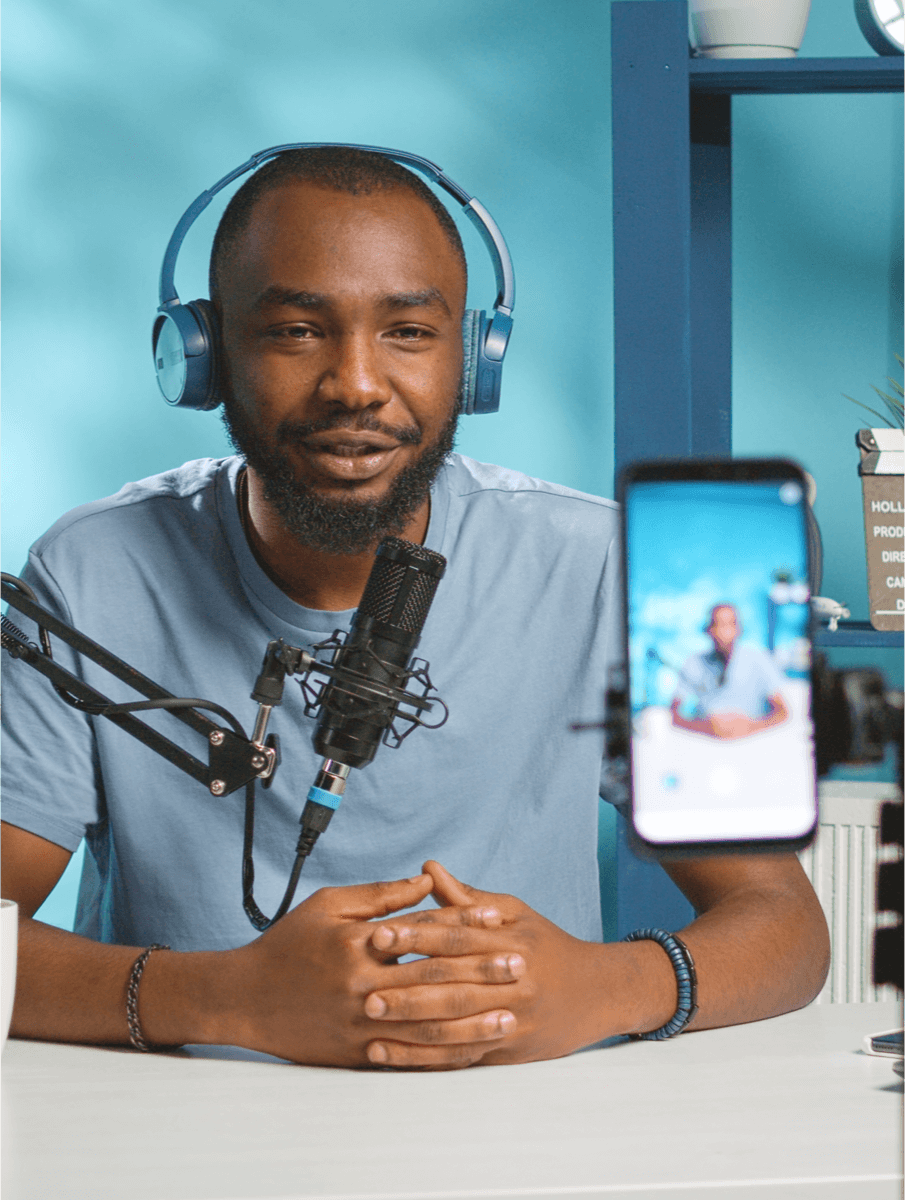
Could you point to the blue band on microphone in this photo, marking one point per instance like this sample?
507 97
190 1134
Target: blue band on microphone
321 796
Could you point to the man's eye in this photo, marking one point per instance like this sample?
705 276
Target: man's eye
410 333
295 333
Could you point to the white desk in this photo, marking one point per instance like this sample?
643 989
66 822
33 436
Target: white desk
779 1109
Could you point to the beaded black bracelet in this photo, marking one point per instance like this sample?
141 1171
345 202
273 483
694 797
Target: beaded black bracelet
686 979
135 1035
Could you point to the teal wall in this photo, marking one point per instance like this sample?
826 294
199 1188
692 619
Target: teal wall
116 116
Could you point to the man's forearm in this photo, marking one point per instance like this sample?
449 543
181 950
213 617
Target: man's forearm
692 724
71 989
759 950
777 714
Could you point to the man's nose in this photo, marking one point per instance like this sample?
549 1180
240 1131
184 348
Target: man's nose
354 376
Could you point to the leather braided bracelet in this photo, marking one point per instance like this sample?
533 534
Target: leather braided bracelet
686 979
135 1035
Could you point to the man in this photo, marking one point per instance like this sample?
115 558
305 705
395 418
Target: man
734 689
339 289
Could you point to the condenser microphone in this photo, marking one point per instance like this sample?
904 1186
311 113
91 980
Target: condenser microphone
358 704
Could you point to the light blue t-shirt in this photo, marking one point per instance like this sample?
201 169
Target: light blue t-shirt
519 638
709 684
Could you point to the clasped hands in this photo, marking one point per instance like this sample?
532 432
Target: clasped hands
487 990
497 983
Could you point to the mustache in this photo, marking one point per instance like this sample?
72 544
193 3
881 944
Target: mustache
294 433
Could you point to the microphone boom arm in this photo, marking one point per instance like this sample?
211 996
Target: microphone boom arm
233 760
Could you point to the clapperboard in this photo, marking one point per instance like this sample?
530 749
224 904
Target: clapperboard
881 469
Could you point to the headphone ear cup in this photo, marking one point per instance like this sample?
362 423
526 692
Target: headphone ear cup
186 355
483 375
206 385
471 334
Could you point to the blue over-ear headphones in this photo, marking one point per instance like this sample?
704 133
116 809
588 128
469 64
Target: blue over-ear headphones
185 338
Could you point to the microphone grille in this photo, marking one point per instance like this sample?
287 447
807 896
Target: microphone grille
401 585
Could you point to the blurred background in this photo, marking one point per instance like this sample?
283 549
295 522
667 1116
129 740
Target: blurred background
117 116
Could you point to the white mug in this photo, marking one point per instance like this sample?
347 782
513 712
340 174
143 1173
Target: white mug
9 934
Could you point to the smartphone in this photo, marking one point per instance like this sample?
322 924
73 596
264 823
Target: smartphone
721 748
885 1045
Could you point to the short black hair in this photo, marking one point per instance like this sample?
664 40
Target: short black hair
343 168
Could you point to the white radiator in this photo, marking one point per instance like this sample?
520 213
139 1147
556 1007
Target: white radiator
841 863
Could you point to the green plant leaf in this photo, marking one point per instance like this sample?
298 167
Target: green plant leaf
872 411
892 404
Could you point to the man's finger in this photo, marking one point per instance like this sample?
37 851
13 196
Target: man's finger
365 901
472 968
393 938
443 1003
480 1031
481 916
427 1058
449 890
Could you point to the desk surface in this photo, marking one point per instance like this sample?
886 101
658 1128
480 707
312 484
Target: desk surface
784 1108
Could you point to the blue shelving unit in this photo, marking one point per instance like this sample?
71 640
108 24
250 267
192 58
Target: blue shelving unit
857 635
672 220
777 76
672 258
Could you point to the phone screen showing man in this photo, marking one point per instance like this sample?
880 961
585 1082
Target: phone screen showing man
719 661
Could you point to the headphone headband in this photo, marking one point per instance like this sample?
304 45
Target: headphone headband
474 210
186 340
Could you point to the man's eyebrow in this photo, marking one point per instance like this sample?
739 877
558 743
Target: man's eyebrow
276 297
427 298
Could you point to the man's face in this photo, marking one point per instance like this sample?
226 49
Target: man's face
341 319
724 629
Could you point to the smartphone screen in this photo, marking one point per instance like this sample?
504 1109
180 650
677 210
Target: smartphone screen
719 654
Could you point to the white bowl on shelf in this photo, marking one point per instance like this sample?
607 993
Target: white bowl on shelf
747 28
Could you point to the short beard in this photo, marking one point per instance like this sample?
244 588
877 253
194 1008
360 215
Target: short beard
337 526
